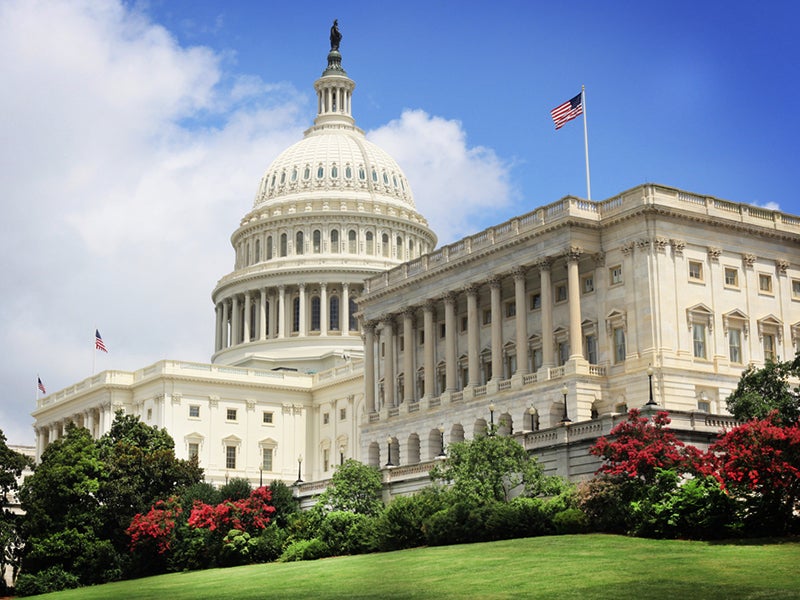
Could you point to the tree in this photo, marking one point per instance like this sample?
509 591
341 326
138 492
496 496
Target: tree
354 487
759 463
487 468
11 466
637 448
761 391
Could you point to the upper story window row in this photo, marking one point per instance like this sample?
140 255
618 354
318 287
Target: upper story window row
347 175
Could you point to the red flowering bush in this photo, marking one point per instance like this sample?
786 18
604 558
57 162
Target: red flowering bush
759 462
249 514
637 448
157 525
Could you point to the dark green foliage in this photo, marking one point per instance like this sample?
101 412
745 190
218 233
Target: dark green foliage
284 502
401 524
270 543
304 550
202 491
347 533
11 466
193 549
606 503
532 516
81 553
235 489
238 548
761 391
569 521
51 579
354 487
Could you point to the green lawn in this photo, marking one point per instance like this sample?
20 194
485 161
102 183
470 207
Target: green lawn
562 567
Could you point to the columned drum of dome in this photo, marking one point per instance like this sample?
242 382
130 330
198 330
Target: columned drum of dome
330 211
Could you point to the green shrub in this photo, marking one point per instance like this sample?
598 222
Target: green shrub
238 548
571 520
344 532
532 516
304 550
237 488
606 503
52 579
270 543
401 524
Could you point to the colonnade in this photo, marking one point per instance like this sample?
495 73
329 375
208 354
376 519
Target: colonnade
96 419
382 333
285 311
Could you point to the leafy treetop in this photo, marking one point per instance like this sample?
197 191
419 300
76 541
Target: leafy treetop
761 391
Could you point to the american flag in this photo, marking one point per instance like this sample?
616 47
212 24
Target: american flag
98 342
41 385
571 109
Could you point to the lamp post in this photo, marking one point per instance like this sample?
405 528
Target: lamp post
650 402
441 439
261 476
341 455
491 419
299 466
389 452
532 413
565 420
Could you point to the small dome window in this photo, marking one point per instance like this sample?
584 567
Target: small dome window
362 174
320 172
394 179
402 184
374 176
272 185
283 177
294 174
334 171
307 173
385 178
348 172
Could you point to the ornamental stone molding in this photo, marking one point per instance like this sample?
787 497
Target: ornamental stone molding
749 260
643 244
714 253
518 273
660 244
782 266
251 404
176 398
678 246
544 263
599 259
213 401
573 253
627 248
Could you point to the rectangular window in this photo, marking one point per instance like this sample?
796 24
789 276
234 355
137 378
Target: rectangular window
765 283
266 418
149 413
536 301
796 289
588 284
230 414
266 459
421 337
487 317
561 292
563 353
442 331
326 418
695 270
194 450
704 406
230 457
194 412
326 459
615 274
699 340
735 345
342 414
591 349
511 309
402 343
769 347
619 345
464 323
537 359
731 277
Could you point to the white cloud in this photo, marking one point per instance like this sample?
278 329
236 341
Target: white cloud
456 187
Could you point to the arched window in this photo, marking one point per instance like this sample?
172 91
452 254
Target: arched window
333 313
247 254
283 177
335 241
348 172
352 246
385 244
334 172
284 244
317 240
374 176
370 243
258 250
269 247
353 321
399 246
294 174
298 244
410 249
320 172
315 311
296 315
362 174
307 173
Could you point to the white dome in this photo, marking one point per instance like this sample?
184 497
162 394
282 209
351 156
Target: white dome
334 161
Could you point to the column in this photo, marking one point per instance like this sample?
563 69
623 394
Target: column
235 321
451 362
226 320
272 316
262 315
323 308
88 420
369 366
547 313
302 329
282 311
218 328
521 321
574 297
473 336
344 310
408 356
388 363
497 329
246 321
430 342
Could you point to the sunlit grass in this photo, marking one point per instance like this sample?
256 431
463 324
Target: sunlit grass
563 567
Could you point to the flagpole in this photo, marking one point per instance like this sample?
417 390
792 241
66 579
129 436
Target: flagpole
94 350
586 144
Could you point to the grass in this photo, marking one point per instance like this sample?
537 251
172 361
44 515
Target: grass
562 567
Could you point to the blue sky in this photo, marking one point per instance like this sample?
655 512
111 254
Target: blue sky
135 134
